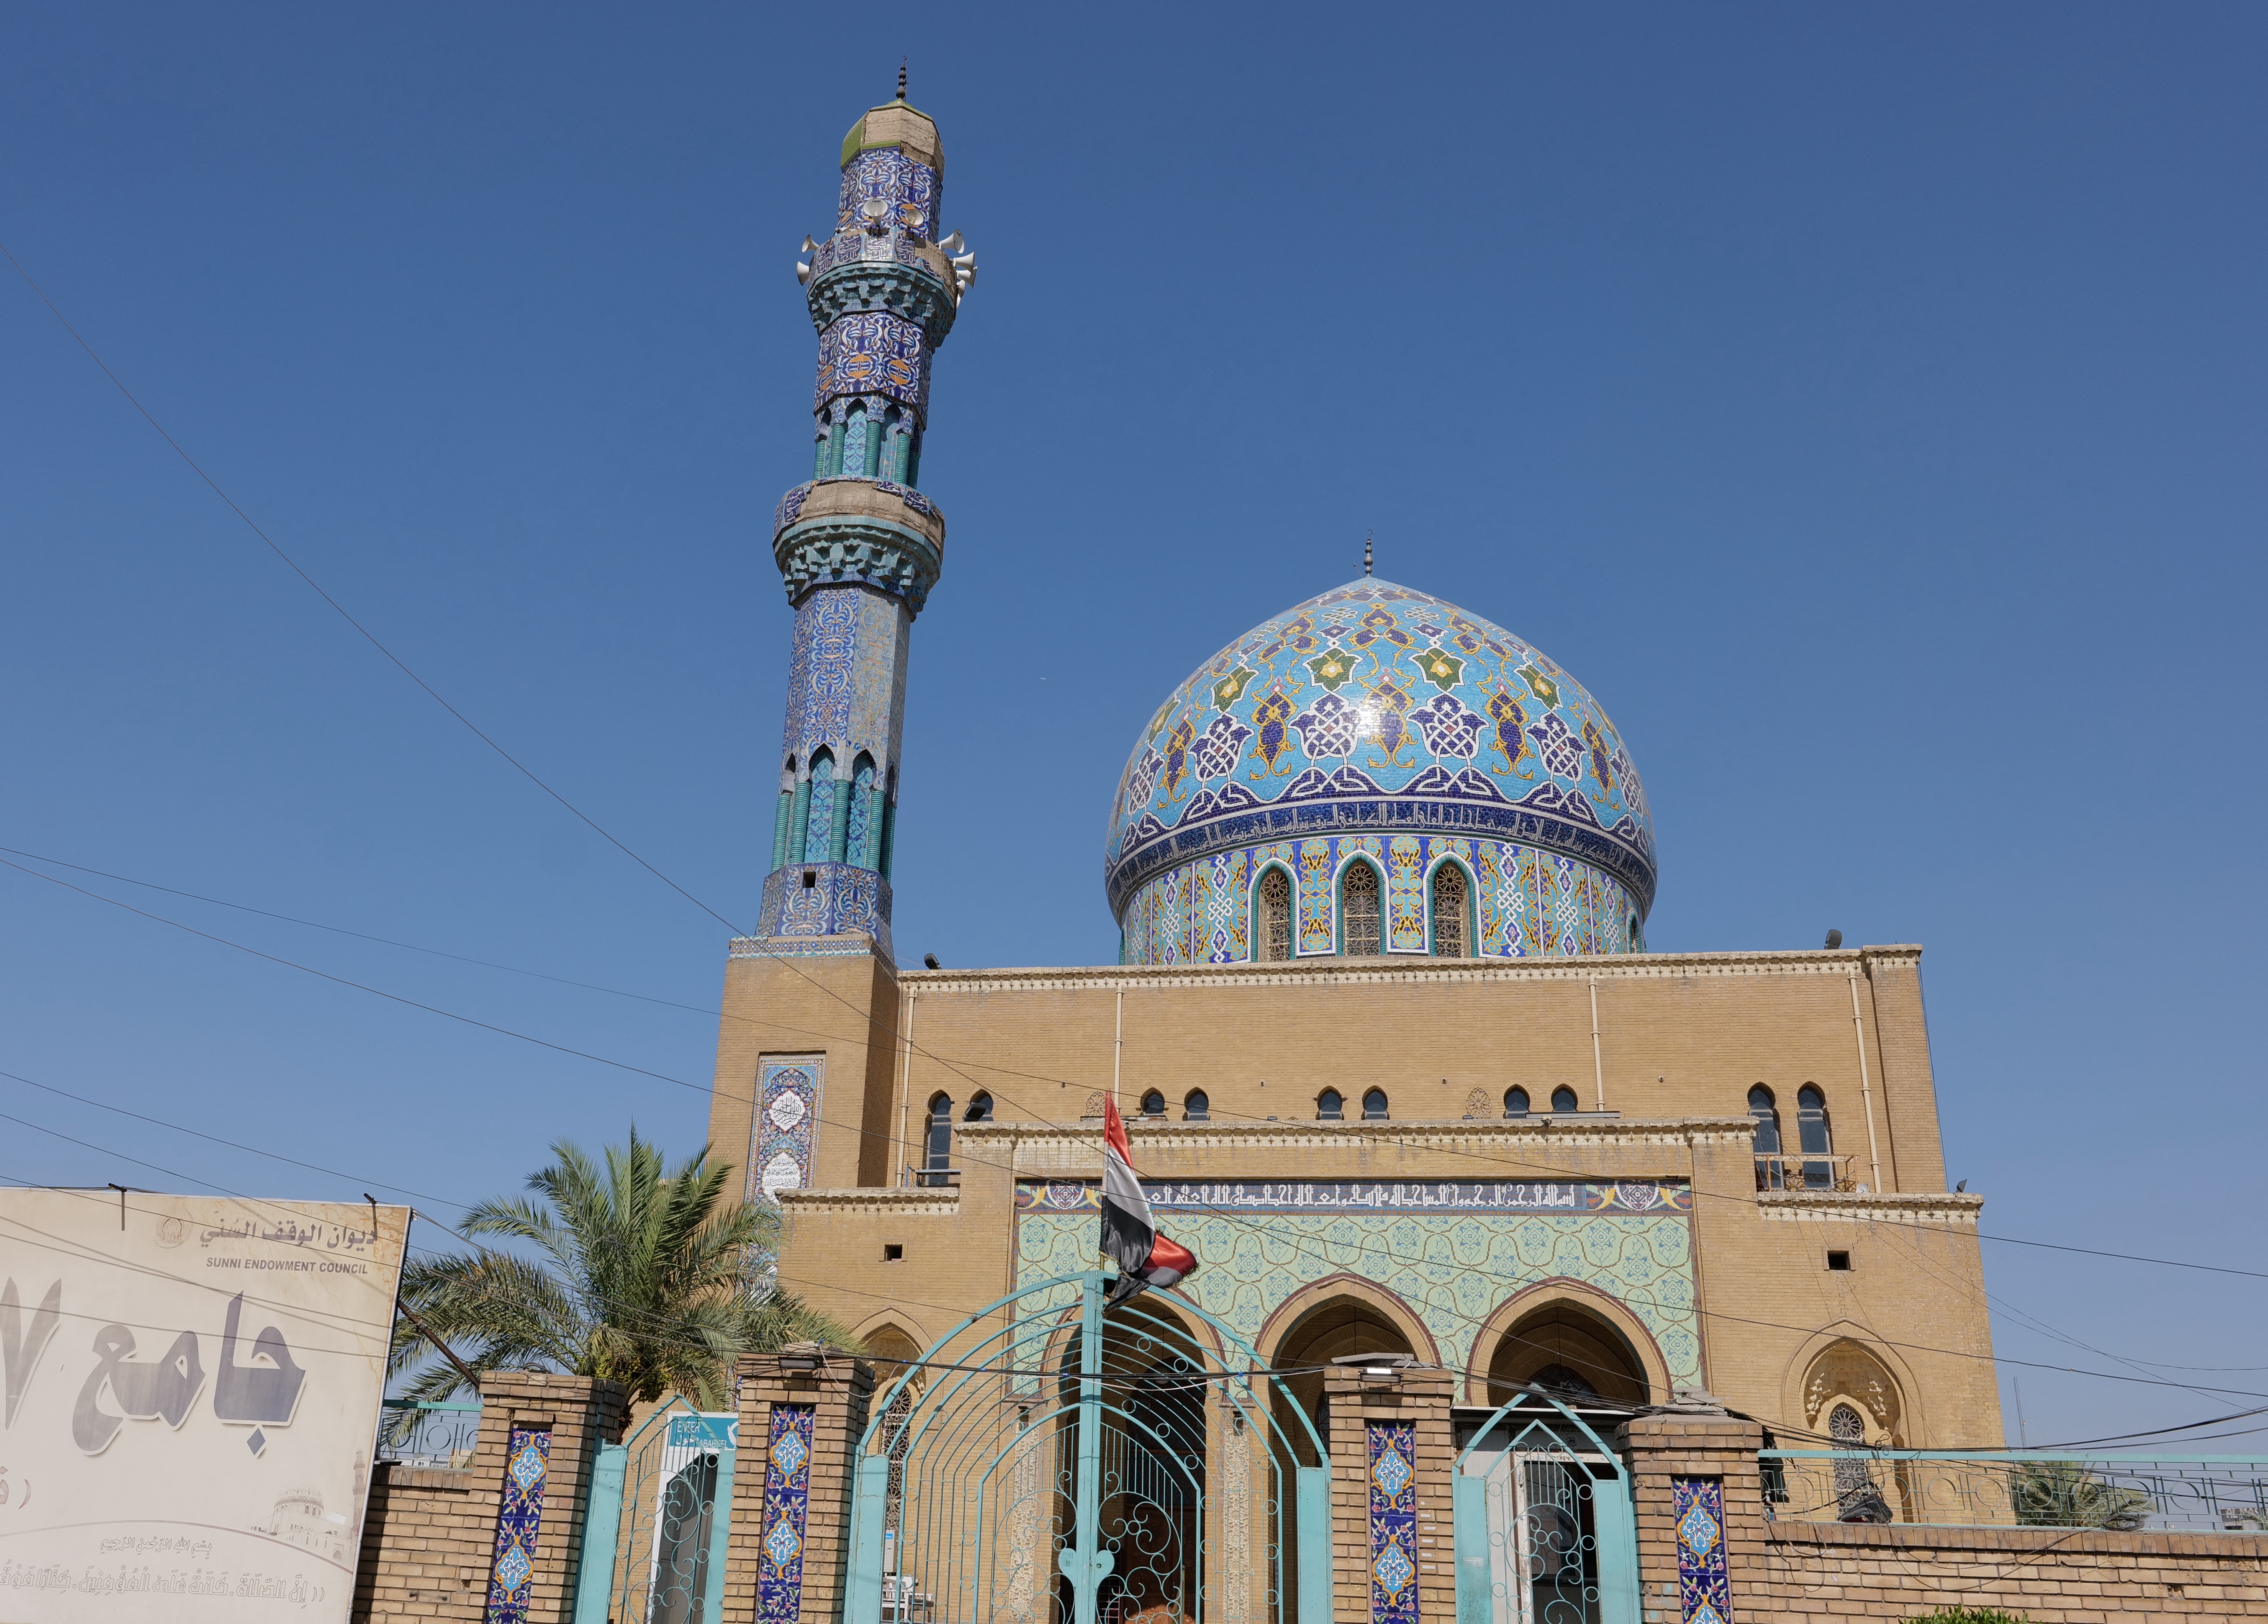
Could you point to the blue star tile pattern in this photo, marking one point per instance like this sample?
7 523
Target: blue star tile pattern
1393 1447
528 1467
787 1503
1367 714
1704 1589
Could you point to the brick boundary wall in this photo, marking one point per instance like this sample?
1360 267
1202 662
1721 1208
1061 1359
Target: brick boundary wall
839 1392
1811 1570
429 1535
1701 1445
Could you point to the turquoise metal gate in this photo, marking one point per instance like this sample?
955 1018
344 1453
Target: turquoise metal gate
1546 1526
1075 1464
653 1541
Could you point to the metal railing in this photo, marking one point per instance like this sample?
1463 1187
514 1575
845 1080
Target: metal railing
2218 1493
428 1435
931 1177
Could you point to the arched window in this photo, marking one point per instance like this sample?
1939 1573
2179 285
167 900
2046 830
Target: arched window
979 1109
1853 1482
859 827
854 443
1359 910
1563 1099
1153 1103
1374 1105
1637 941
1563 1383
1196 1107
1271 928
819 812
1813 1137
1331 1106
937 1153
1766 1110
1450 898
1515 1102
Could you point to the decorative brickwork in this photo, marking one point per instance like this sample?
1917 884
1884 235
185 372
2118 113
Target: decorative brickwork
824 1411
430 1541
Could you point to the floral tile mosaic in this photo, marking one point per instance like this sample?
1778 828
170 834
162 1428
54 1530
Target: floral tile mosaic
511 1575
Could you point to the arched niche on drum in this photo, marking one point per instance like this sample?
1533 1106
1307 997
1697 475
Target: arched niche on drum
1571 1335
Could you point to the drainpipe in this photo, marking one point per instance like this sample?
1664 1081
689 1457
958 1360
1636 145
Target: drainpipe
1865 1092
1598 1068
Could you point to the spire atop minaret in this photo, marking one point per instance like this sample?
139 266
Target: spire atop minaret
1366 552
902 78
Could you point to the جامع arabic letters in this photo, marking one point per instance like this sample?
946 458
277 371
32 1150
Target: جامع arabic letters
165 1387
248 1393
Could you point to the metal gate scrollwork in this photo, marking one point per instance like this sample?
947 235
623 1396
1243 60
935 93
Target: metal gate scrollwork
1076 1465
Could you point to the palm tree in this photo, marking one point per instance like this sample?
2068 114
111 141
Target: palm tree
640 1275
2064 1494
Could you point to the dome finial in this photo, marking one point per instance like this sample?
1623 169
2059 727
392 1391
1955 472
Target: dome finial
1366 552
902 78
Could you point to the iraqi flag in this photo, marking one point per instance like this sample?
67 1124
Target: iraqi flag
1130 1235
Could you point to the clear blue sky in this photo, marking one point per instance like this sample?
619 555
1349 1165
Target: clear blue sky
1866 402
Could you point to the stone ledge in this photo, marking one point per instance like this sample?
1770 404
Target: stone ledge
1841 962
1849 1207
876 1198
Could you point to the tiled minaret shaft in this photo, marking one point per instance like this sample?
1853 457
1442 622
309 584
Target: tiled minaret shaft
858 546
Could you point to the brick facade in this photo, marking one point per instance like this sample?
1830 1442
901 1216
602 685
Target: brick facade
428 1536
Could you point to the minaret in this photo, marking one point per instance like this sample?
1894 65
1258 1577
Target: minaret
857 544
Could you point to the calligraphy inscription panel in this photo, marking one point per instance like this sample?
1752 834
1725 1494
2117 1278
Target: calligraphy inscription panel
189 1387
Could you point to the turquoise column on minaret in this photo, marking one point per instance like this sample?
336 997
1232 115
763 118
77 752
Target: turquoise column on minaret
858 546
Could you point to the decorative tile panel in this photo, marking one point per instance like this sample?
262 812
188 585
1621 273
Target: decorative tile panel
785 1134
1205 922
873 352
1393 1487
512 1574
787 1505
1451 1266
1704 1588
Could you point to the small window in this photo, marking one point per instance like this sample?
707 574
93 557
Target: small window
1374 1105
979 1109
1272 934
1330 1105
1153 1103
1515 1102
1839 1261
1196 1107
811 879
894 1252
1563 1099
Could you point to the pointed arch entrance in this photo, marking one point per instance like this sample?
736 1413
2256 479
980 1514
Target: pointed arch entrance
1051 1461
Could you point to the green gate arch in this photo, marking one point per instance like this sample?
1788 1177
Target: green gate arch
912 1422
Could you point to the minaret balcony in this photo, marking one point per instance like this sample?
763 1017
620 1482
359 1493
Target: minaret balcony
859 532
914 284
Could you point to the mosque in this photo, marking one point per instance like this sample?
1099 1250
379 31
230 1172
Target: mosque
1398 1065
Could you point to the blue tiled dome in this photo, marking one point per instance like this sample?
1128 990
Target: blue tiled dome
1378 711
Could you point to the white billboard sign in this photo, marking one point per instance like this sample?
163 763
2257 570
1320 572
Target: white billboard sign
189 1391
